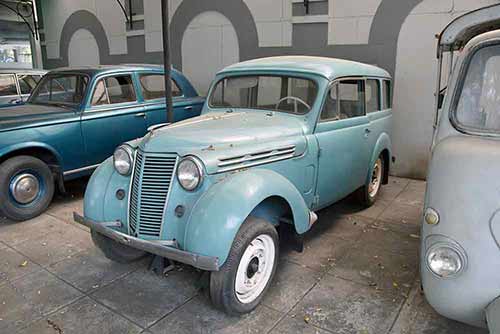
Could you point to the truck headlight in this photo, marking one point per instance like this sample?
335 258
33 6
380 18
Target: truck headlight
190 173
444 261
122 159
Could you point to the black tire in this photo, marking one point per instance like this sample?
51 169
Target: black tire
222 282
363 193
116 251
11 169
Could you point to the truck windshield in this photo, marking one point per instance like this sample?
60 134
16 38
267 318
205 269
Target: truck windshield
60 89
478 105
276 93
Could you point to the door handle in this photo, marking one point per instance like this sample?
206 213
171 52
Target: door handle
141 114
367 132
188 108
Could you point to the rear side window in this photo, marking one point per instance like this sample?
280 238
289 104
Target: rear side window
387 93
478 105
7 85
351 95
27 82
372 96
153 86
114 89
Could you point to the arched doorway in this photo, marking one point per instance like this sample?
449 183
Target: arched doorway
83 49
209 43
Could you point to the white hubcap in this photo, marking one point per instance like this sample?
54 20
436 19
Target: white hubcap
376 178
255 269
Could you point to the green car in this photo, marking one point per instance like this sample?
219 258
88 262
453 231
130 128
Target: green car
278 139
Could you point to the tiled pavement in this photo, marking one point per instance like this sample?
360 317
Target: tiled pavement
358 274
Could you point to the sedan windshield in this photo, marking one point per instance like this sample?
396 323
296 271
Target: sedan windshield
60 89
276 93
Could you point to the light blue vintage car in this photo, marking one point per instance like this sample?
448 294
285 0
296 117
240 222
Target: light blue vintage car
278 139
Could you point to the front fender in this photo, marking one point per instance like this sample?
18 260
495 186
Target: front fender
219 213
30 145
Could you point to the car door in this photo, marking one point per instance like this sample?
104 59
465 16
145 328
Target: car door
152 87
112 116
8 89
342 132
27 83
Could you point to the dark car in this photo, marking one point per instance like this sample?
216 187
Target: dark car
74 120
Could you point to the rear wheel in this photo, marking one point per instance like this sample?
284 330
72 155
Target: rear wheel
26 187
240 284
369 193
115 251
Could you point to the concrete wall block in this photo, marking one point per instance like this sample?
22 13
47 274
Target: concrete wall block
364 27
349 31
265 10
353 8
434 7
287 31
270 33
468 5
154 41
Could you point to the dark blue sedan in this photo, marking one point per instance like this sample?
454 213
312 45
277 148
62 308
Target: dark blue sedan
73 120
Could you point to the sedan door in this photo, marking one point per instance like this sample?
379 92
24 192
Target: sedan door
112 117
27 83
152 87
343 137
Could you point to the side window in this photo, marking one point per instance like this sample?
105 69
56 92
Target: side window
7 85
330 110
351 95
387 95
100 96
153 86
372 96
27 82
114 89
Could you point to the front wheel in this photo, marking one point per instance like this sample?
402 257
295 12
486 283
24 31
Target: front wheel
26 187
369 193
240 284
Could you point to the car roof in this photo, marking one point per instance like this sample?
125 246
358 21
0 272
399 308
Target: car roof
21 70
98 69
330 68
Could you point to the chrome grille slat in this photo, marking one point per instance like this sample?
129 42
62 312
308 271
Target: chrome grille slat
149 191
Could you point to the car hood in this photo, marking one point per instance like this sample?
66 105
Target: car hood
31 114
217 136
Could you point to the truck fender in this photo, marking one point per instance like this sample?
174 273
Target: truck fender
383 143
219 213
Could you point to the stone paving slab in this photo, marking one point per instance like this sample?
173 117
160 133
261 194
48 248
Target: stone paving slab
358 274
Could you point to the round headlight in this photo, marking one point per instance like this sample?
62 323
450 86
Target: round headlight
444 261
189 173
122 159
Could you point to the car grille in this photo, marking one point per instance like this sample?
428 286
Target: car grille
149 191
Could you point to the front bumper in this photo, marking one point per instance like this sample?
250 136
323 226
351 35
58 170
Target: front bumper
154 247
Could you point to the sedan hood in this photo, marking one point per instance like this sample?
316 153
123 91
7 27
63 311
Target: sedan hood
222 135
31 114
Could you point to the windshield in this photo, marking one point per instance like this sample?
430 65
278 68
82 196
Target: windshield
276 93
60 89
478 105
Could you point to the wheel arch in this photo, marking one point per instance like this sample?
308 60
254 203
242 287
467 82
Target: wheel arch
382 148
40 151
219 213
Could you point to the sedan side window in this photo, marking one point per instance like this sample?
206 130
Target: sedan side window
372 96
351 98
7 85
114 89
27 82
153 86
